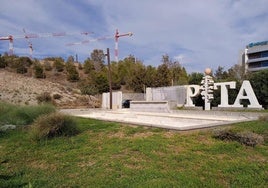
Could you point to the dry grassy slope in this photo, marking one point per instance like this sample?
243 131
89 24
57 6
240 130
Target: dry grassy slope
20 89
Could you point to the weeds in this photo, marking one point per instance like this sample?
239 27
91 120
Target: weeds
22 115
53 125
44 98
247 138
264 118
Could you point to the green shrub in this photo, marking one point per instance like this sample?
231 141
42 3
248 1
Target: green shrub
246 138
59 65
73 76
3 63
5 109
22 69
39 71
53 125
20 64
22 115
72 73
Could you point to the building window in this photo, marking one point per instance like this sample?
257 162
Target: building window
254 65
258 64
254 55
264 54
264 64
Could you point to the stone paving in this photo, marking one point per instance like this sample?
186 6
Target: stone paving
178 120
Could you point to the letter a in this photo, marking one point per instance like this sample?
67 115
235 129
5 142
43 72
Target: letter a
249 94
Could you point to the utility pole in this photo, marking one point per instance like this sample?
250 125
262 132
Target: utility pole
110 78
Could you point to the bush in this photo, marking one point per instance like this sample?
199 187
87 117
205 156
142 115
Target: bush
53 125
72 73
57 96
59 65
20 64
3 63
249 138
47 66
39 71
264 118
21 69
80 66
245 138
224 134
5 109
22 115
44 98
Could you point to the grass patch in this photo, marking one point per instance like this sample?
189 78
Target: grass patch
22 115
106 154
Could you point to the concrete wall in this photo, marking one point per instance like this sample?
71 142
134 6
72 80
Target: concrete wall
150 106
173 96
176 94
134 96
116 100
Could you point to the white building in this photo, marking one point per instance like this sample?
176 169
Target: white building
255 56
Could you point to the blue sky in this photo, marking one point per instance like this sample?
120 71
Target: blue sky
200 34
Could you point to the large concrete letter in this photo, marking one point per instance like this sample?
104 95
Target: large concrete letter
246 92
224 92
192 91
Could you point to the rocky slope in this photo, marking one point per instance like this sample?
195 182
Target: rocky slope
24 90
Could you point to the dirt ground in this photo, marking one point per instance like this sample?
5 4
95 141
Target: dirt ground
23 90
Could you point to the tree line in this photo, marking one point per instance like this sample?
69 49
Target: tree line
132 75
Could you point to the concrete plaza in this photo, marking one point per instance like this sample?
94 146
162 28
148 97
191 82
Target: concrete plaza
177 119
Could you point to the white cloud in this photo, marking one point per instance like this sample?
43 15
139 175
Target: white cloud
206 33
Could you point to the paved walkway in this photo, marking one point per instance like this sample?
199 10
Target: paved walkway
179 120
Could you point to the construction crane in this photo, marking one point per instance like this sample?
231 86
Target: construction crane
11 38
88 41
116 37
29 43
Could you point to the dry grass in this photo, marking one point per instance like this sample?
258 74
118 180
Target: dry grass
21 89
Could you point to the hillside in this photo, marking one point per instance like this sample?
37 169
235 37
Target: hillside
24 90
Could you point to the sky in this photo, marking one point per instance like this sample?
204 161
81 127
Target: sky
197 33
